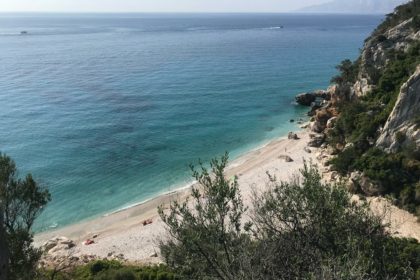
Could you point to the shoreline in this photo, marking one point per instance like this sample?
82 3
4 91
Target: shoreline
182 186
131 215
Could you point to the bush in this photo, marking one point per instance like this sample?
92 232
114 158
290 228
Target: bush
400 137
345 160
124 273
382 38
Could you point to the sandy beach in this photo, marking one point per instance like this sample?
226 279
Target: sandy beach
123 233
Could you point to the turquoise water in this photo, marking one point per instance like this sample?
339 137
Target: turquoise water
108 110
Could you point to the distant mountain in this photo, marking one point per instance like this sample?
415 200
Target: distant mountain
354 6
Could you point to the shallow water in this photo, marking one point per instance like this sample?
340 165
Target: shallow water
108 110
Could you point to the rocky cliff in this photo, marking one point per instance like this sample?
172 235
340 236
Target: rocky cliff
401 118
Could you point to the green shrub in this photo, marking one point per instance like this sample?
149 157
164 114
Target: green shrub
345 160
382 38
400 137
124 273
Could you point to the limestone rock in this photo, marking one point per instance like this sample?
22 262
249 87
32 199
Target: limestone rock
95 235
59 247
371 187
317 127
285 158
307 150
304 125
305 99
50 244
292 135
324 94
332 151
317 140
331 122
355 176
313 107
325 162
402 115
292 120
153 255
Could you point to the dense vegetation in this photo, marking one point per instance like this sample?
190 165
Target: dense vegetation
302 229
359 121
113 270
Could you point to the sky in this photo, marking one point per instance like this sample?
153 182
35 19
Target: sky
210 6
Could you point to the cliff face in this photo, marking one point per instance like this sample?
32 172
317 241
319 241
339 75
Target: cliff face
401 117
4 256
399 38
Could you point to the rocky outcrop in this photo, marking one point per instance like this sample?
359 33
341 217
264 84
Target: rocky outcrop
323 94
292 135
4 251
399 38
317 140
58 244
305 99
401 117
371 187
285 158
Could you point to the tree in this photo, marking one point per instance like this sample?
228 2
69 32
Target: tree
301 229
207 240
348 72
4 252
22 201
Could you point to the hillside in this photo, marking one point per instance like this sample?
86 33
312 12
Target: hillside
371 118
352 6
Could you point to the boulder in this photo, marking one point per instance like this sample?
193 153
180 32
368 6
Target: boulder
95 235
153 255
331 122
292 120
325 162
355 176
304 126
348 145
317 127
64 240
305 99
292 135
332 151
313 107
371 187
59 247
324 146
285 158
352 186
317 140
50 244
307 150
371 114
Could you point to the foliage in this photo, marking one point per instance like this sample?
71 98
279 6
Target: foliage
207 241
301 229
22 201
113 270
348 72
400 137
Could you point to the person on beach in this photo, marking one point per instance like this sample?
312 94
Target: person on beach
285 149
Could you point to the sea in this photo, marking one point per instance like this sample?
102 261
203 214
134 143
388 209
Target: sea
108 110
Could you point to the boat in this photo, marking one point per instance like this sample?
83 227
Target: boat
23 32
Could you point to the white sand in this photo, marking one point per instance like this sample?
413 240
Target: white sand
123 232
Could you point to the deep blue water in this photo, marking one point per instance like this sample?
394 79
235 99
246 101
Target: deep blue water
108 110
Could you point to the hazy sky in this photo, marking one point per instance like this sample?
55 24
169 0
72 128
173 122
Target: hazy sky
155 5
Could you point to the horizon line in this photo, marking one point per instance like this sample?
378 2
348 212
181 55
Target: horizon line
150 12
